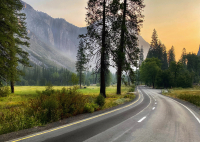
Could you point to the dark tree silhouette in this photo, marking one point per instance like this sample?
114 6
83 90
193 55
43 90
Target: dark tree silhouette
129 21
81 60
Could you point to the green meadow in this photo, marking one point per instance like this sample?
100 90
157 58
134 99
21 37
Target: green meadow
25 93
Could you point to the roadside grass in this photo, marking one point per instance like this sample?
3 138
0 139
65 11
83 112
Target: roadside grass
24 93
191 95
30 106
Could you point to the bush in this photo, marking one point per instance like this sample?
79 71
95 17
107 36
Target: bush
49 90
130 96
62 104
4 91
90 107
132 89
100 100
120 101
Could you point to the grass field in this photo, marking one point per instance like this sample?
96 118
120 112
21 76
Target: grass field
24 93
191 95
33 106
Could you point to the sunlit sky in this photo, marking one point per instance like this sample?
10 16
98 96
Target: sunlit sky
177 22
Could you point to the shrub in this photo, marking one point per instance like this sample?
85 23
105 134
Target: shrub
100 100
16 119
4 91
130 96
49 90
132 89
120 101
90 107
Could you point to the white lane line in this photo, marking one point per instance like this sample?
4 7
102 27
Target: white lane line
142 119
155 103
155 99
153 108
186 108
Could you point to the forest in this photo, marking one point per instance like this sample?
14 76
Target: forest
40 76
161 70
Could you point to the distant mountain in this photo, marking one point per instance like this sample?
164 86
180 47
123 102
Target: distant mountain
145 45
198 51
54 41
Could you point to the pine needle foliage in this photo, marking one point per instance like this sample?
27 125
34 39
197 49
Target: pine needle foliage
12 34
81 60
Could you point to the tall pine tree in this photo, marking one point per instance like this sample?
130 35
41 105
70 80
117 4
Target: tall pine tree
97 17
171 55
12 34
81 60
129 21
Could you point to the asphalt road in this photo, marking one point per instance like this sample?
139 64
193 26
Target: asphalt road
152 117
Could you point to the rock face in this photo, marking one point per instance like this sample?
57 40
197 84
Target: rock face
145 45
54 41
54 32
198 51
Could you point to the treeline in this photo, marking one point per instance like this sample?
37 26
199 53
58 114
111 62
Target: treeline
160 69
40 76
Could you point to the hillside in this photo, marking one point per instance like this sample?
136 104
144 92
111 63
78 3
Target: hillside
54 41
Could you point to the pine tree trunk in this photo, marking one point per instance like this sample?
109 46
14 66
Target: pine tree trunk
12 86
129 82
120 63
103 86
80 80
119 80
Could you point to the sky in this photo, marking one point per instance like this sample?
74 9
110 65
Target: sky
177 22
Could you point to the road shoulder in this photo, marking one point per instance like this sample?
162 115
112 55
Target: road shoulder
191 106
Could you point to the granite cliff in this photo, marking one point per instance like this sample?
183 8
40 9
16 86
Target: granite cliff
54 41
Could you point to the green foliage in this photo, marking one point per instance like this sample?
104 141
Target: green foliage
13 33
120 101
48 91
131 89
149 69
41 109
4 91
74 79
44 109
16 119
100 100
171 55
90 107
158 50
130 96
81 60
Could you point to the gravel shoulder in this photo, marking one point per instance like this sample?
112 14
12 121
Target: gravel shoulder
21 133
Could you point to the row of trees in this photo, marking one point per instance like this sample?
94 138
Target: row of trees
12 34
111 40
161 70
39 76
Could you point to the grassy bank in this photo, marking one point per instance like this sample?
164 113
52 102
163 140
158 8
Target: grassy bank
191 95
28 108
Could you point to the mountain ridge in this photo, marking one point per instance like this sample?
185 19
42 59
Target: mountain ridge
57 37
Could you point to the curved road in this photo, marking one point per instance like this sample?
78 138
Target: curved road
152 117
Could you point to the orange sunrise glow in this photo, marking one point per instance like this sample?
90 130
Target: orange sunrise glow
176 21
